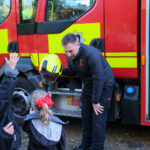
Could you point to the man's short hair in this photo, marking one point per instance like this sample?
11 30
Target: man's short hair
69 38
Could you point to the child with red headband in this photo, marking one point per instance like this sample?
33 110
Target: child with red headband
45 131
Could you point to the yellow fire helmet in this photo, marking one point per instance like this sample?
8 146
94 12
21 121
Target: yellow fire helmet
50 68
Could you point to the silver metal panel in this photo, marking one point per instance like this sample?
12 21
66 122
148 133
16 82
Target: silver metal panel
147 58
67 113
64 92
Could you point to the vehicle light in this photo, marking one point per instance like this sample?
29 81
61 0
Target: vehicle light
73 102
130 90
41 84
69 96
143 60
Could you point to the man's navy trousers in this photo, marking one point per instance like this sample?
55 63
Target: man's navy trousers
93 125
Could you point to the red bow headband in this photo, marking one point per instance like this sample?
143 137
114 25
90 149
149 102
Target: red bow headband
46 100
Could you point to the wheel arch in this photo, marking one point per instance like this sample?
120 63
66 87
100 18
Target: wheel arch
27 70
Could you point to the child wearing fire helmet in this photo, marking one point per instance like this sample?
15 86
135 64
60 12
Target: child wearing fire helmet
45 131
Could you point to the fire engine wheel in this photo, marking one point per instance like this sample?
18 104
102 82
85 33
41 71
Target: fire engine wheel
21 101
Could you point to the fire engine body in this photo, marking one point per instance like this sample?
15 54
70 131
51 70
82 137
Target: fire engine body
120 29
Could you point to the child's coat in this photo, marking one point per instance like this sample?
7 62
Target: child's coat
7 86
44 137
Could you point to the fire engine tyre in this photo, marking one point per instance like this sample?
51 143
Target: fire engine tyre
21 101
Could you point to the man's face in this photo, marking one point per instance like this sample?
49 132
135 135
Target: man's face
71 49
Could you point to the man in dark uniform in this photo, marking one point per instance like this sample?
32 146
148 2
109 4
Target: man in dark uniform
89 64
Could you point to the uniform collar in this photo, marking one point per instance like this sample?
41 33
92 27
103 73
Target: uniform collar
79 53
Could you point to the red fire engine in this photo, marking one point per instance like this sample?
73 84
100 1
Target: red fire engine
120 29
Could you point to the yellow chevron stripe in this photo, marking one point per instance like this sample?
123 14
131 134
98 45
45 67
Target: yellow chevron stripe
122 62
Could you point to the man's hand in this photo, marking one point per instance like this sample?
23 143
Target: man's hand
12 60
98 108
9 128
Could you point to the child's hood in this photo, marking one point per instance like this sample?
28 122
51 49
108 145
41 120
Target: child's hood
51 118
50 133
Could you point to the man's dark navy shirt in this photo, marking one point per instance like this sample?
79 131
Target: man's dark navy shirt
90 65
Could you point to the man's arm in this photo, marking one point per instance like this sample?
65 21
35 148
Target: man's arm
96 69
69 71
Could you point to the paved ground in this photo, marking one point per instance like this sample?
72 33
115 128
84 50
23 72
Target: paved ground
118 136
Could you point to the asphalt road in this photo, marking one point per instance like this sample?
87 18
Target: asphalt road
118 136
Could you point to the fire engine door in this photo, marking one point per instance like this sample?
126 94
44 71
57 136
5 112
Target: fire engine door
59 17
147 104
8 32
26 29
145 62
121 37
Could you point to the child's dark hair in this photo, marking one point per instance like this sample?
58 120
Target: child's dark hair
44 111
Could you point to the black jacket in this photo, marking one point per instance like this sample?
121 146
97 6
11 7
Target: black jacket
7 86
44 137
93 69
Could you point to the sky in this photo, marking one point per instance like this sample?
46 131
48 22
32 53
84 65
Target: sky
76 2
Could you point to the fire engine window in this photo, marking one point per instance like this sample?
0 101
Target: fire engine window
66 9
4 9
28 10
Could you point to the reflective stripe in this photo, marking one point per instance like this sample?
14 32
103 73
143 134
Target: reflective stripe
122 54
33 56
3 41
114 62
122 62
24 54
54 68
90 30
34 59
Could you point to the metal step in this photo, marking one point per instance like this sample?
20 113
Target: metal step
67 113
65 92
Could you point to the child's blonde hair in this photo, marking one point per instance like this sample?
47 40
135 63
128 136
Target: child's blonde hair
44 111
